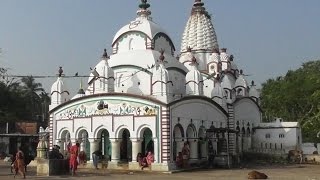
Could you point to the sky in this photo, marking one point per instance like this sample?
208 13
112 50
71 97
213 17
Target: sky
266 37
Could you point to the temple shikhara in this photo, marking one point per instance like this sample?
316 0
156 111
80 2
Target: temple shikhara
142 97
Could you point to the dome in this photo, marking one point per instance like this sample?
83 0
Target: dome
140 24
199 33
142 33
59 86
241 81
59 92
103 69
228 81
253 92
194 80
218 94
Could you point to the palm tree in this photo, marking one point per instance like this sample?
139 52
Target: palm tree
31 91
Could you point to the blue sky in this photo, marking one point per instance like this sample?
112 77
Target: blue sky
267 37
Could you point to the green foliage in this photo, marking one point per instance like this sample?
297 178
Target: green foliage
21 101
295 97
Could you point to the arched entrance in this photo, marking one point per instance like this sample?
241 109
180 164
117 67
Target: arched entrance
147 143
192 140
178 135
105 144
84 144
125 146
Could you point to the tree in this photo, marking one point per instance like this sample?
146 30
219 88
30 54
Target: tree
295 97
31 91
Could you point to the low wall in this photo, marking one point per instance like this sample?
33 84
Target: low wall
52 167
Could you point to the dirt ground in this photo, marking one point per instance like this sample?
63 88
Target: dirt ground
298 172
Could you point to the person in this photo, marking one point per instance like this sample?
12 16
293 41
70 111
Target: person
95 158
210 155
73 162
148 160
55 153
19 165
185 154
140 159
179 160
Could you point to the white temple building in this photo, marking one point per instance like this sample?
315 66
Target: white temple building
142 98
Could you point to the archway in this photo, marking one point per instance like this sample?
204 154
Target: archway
192 141
147 143
125 146
178 135
105 144
84 144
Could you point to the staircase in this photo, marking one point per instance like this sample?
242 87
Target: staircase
231 125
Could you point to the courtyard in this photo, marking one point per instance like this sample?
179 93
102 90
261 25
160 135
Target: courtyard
299 172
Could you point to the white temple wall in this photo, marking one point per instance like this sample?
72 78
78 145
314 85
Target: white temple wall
178 79
203 59
201 111
128 81
246 111
272 140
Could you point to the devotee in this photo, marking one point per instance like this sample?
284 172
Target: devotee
179 160
185 154
148 160
73 162
95 158
19 165
140 159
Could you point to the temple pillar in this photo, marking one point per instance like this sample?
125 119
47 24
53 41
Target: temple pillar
155 150
203 147
115 144
193 149
136 148
94 145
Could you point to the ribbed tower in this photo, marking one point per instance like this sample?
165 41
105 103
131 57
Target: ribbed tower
199 35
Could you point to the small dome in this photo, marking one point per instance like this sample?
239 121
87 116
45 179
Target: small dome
103 69
218 94
228 81
59 86
253 92
241 82
194 80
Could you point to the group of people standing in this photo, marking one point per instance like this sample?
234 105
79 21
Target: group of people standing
145 161
183 156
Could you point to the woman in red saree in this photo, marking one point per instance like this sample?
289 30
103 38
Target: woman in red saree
73 162
19 165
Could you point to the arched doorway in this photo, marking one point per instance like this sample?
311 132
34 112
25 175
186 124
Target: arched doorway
125 146
192 141
178 135
105 144
84 143
147 143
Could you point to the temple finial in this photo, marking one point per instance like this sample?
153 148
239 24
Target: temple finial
143 11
